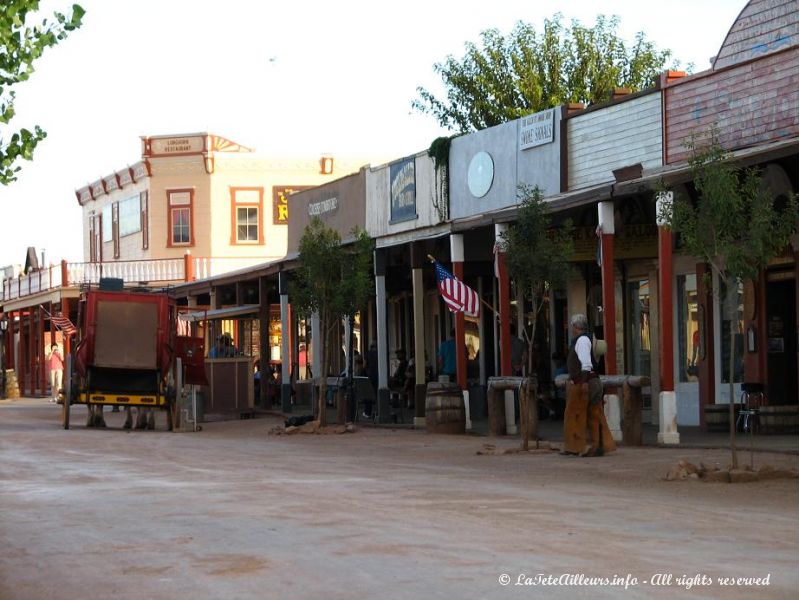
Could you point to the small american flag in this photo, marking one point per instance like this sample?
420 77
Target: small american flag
458 296
64 324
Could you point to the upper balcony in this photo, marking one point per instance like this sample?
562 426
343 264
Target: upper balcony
154 273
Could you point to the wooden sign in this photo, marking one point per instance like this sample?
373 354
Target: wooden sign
280 202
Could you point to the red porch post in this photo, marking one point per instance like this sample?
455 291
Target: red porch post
64 274
40 356
22 355
65 313
188 267
667 407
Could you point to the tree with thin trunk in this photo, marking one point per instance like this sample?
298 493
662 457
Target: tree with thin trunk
733 224
22 42
537 257
526 71
333 281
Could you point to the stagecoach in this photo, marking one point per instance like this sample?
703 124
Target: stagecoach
127 353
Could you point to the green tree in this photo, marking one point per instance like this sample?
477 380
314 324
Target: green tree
733 225
524 72
21 43
537 259
333 281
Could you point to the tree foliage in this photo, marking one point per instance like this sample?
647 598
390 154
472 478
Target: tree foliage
733 225
333 281
537 253
21 44
507 77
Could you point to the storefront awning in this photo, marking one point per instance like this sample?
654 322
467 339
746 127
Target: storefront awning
216 314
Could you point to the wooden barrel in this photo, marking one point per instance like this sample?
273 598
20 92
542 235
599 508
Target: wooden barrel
444 411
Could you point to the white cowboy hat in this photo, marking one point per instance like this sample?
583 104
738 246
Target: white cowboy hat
599 348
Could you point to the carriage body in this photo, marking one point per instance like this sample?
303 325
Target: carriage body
124 352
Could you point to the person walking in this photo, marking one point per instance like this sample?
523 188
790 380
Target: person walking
56 364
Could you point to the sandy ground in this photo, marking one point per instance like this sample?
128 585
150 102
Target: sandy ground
231 512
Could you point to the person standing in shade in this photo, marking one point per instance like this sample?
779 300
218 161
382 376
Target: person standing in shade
447 364
397 379
585 429
56 364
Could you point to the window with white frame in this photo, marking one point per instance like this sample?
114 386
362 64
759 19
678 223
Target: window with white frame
246 215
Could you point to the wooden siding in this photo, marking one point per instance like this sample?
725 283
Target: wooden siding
347 212
752 103
764 26
622 134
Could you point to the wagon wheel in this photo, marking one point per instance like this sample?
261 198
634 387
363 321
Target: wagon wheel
68 383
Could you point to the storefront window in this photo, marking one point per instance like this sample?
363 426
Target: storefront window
688 328
738 323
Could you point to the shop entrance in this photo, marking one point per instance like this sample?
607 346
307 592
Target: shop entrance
781 342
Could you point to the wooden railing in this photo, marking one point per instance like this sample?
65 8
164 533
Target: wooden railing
143 272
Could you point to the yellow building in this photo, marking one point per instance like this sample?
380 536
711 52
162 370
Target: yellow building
197 194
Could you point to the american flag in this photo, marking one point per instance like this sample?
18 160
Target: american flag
458 296
64 324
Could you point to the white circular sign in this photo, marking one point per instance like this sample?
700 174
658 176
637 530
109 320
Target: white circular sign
481 174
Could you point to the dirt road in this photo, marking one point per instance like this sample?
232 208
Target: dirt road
232 512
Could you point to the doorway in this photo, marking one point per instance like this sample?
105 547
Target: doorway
781 342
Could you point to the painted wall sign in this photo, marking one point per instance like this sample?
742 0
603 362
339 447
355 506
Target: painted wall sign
177 145
402 180
537 130
280 202
323 207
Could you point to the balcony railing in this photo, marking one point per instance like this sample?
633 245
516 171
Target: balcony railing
142 272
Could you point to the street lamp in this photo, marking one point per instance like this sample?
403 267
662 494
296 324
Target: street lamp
3 329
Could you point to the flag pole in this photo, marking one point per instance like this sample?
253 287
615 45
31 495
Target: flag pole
487 305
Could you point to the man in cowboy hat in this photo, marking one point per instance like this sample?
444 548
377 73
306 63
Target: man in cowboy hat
585 429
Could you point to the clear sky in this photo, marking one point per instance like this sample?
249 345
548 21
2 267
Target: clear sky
294 78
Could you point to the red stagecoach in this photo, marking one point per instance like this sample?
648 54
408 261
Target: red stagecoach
126 352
